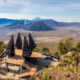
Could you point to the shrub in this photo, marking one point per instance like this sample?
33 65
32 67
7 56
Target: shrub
61 68
2 46
77 59
46 76
37 49
50 67
45 69
61 48
46 50
65 46
69 60
77 46
55 53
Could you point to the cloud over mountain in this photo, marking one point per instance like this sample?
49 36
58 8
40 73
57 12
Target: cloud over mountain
64 10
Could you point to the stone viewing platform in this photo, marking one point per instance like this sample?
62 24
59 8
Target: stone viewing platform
17 54
20 60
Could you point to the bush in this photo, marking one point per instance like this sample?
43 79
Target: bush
55 54
77 46
65 46
46 76
37 49
67 63
61 68
69 60
46 50
50 67
2 46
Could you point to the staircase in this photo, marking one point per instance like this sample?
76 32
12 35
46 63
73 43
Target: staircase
32 70
19 60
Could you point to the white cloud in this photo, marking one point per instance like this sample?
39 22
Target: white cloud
44 8
16 16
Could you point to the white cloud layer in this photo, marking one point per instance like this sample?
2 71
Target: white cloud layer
43 8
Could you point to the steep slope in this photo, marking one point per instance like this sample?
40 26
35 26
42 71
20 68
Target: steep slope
48 22
39 26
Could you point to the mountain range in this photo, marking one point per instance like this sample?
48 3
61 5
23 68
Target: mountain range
36 24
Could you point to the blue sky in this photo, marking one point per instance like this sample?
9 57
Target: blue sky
60 10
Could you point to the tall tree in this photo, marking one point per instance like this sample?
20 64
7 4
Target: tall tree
32 43
26 50
19 42
10 48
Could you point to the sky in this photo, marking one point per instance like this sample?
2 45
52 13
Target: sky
60 10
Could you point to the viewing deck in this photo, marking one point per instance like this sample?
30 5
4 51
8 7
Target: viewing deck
19 60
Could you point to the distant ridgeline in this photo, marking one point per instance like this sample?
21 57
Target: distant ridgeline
36 24
27 47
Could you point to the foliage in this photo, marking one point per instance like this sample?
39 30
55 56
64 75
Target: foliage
37 49
46 50
61 68
66 63
77 59
50 67
69 44
77 46
2 46
46 76
44 69
65 46
69 60
61 48
55 53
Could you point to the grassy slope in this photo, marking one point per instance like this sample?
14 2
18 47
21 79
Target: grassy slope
51 45
56 74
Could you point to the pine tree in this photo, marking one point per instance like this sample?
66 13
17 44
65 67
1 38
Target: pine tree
10 47
19 42
26 50
32 43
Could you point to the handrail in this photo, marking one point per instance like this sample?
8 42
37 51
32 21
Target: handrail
47 54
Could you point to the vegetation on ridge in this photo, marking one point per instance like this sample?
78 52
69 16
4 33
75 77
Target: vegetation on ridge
2 46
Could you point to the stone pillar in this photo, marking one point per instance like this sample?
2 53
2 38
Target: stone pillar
10 48
7 66
19 42
32 43
26 49
21 69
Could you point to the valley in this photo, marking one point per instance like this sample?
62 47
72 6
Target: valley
43 36
47 33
